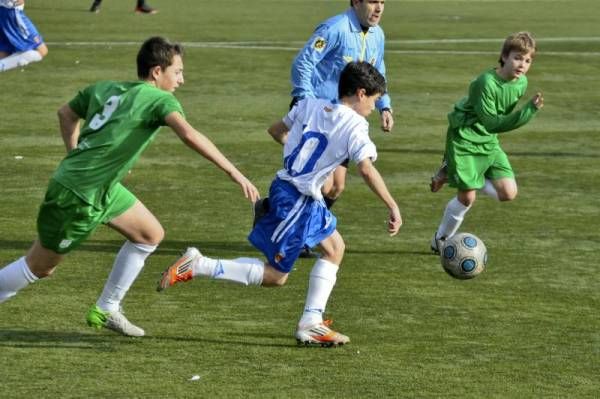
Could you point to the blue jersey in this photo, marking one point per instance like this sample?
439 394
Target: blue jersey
336 42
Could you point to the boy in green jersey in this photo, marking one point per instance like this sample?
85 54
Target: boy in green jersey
120 120
474 158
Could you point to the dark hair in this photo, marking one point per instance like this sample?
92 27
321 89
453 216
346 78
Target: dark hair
156 51
523 42
360 75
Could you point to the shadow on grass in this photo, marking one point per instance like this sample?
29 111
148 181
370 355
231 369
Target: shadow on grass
548 154
60 340
105 341
166 247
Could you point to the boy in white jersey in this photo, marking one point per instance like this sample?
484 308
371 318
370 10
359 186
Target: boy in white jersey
121 120
20 42
317 136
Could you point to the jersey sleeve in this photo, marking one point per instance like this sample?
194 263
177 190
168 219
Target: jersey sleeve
79 104
322 42
291 116
166 105
360 146
483 95
384 101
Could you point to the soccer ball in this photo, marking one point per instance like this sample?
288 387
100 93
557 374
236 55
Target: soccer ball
463 256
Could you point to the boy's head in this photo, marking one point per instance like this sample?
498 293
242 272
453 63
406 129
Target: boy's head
360 86
521 42
156 51
360 75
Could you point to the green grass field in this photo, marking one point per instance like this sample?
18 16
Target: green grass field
529 327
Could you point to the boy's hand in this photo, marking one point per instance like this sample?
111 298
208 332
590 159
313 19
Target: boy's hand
538 100
248 188
394 222
387 120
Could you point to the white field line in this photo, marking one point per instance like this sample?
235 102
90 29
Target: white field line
295 46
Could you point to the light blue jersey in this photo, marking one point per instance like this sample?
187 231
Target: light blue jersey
336 42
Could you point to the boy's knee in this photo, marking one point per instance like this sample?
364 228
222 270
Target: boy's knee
507 196
43 50
273 277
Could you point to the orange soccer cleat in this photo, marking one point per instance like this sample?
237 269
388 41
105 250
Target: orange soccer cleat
320 334
180 271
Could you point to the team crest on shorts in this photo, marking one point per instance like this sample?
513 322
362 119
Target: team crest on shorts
319 44
65 244
279 257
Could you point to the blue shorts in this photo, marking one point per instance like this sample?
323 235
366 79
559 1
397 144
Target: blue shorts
17 32
293 221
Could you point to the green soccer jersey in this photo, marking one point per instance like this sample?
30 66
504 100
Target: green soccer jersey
488 110
121 120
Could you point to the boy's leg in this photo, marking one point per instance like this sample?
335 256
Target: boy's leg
96 6
453 217
312 329
144 233
19 60
246 271
39 262
143 8
439 178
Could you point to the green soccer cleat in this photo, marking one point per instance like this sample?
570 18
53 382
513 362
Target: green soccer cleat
116 321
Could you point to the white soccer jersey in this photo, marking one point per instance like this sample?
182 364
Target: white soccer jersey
322 135
8 3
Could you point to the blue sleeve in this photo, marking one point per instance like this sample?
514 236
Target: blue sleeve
321 43
384 101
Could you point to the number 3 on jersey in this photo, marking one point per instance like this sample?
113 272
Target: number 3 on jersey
109 107
303 158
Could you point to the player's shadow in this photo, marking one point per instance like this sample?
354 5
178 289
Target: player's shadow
60 340
172 247
244 340
544 154
106 341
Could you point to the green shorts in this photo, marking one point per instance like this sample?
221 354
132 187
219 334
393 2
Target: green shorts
65 220
468 171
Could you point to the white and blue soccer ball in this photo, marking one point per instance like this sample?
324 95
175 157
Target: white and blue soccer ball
464 256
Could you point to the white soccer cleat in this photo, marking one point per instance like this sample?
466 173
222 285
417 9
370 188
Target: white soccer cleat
320 334
115 321
437 244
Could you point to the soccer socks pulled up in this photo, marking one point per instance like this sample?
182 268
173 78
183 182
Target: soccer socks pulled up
19 59
15 277
246 271
452 219
128 265
320 284
489 190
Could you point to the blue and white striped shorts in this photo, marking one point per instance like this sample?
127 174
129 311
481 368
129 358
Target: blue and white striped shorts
293 221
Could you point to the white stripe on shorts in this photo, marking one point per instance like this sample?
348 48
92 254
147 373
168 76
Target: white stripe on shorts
290 219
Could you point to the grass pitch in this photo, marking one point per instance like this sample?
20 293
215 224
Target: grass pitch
527 328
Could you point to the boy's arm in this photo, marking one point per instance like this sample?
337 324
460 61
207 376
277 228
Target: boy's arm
375 182
279 132
485 107
203 146
68 121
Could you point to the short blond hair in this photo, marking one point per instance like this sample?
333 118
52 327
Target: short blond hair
523 42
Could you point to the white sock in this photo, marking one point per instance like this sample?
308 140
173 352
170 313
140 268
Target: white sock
246 271
19 59
489 190
320 284
452 219
128 265
15 277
